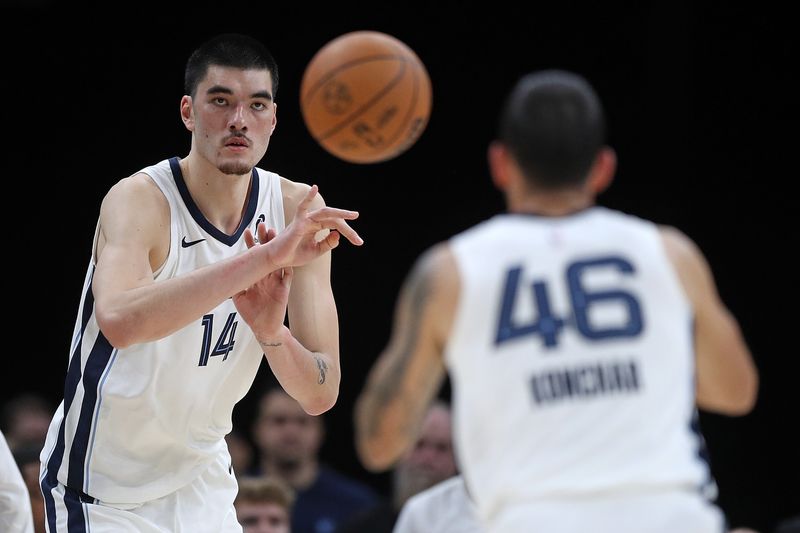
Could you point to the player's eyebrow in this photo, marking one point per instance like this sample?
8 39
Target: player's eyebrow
262 94
216 89
219 89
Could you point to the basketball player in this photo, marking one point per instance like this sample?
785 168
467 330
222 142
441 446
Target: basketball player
579 341
187 289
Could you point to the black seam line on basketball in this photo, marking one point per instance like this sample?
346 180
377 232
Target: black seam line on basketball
408 117
325 79
356 113
368 104
185 244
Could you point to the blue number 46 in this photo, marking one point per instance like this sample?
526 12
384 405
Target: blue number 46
549 325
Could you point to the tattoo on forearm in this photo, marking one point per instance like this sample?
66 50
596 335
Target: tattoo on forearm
270 344
323 367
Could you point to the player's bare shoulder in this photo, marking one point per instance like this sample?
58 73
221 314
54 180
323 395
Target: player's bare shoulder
682 251
437 272
138 191
437 264
134 208
688 260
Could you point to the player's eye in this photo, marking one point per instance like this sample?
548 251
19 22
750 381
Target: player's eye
279 420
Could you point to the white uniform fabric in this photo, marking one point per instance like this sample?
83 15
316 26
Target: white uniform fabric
16 515
442 508
140 423
572 364
201 506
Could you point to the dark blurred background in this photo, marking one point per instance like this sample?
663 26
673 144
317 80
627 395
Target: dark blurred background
694 96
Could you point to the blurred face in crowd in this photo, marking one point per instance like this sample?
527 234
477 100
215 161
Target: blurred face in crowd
285 433
431 460
241 452
262 517
27 419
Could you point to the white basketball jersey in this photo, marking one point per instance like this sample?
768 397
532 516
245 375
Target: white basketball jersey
571 359
141 422
443 508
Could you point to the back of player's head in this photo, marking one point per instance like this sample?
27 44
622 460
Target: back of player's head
229 50
554 125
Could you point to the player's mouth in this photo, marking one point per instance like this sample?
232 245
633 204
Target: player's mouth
237 144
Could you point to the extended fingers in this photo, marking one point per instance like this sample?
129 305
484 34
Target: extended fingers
339 225
248 238
349 233
302 207
269 234
334 219
262 233
332 212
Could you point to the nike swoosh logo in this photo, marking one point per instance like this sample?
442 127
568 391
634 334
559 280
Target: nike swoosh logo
185 244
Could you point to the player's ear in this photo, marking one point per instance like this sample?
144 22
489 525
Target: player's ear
498 164
603 169
274 118
187 114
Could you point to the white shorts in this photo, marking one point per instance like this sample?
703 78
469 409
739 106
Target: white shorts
666 512
205 505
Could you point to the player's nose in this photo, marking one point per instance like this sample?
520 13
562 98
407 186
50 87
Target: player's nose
236 121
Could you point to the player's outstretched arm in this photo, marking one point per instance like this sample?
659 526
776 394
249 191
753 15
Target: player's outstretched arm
134 240
305 356
410 370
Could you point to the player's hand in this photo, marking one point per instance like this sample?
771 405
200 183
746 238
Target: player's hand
263 305
298 244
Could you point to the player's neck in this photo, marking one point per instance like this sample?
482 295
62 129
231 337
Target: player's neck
551 203
220 197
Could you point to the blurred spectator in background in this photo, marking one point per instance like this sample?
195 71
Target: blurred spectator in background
25 419
242 453
264 505
430 461
288 442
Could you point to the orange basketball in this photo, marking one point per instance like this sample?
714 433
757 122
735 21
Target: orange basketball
366 97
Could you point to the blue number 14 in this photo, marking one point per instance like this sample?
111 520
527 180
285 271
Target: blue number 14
224 343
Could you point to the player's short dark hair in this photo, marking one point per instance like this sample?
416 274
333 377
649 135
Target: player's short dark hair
229 50
554 125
